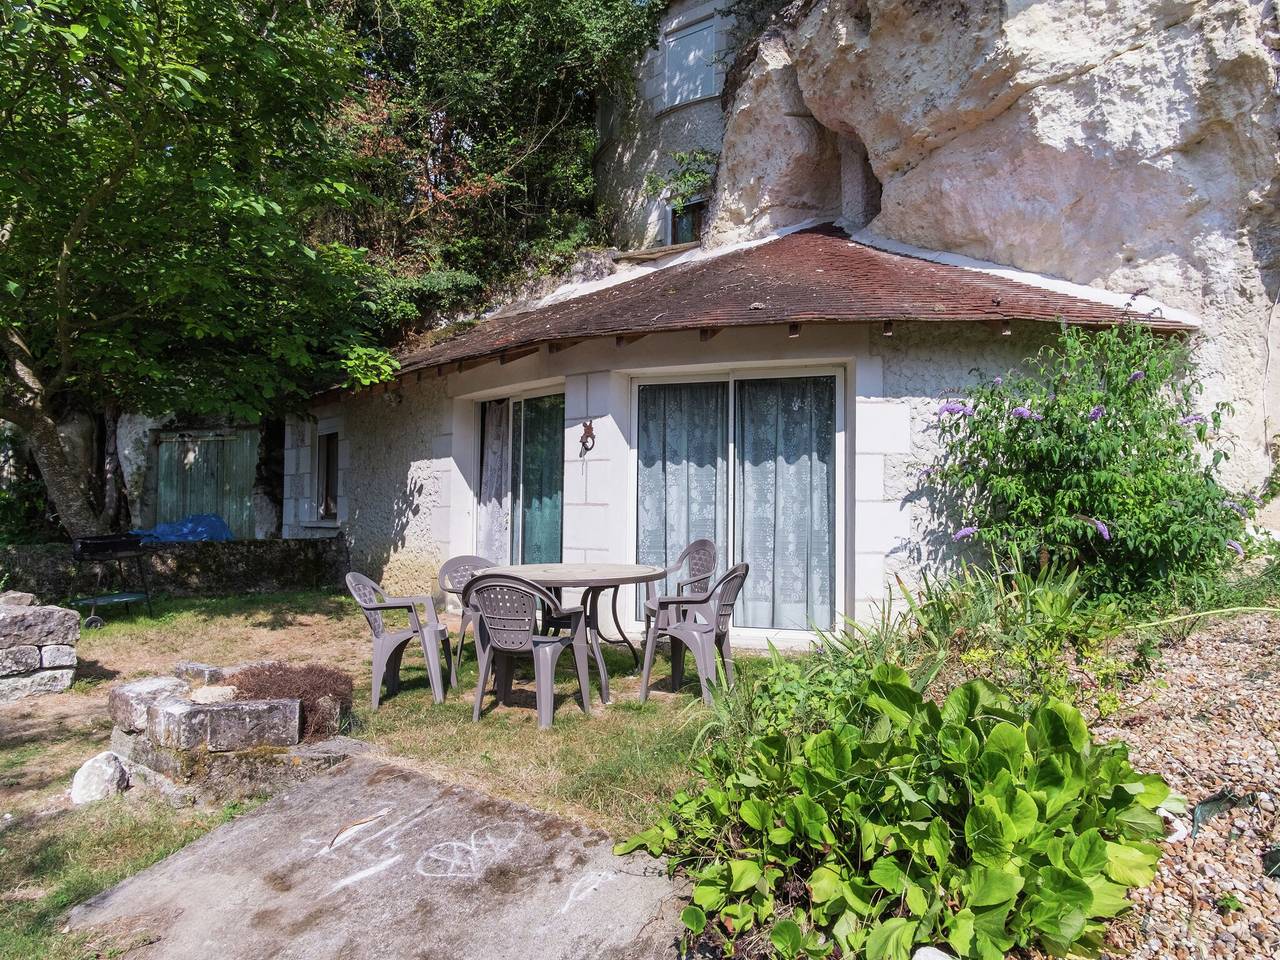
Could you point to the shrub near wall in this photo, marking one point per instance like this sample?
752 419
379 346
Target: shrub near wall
184 569
1097 459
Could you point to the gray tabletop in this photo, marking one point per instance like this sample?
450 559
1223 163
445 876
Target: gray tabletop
581 574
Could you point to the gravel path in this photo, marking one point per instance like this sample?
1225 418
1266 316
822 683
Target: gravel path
1210 719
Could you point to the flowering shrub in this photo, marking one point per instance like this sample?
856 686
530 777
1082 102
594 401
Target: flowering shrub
1093 458
896 822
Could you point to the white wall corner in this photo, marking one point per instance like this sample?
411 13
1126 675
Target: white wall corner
882 426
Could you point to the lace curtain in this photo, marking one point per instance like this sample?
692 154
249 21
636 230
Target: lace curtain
493 525
683 481
784 510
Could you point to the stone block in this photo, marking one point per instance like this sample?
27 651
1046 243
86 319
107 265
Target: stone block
37 626
16 598
245 724
178 724
213 694
128 703
35 684
56 655
19 660
100 777
209 674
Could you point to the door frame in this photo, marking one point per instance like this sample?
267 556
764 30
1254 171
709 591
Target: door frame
730 374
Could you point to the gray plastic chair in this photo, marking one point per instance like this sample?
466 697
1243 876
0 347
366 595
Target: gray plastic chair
506 616
454 576
388 646
700 558
699 621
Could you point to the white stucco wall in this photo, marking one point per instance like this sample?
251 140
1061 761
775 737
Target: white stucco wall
639 137
407 487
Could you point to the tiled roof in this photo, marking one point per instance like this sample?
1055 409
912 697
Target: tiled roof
814 275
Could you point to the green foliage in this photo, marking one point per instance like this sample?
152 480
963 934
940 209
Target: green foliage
690 176
885 820
1094 459
475 129
159 162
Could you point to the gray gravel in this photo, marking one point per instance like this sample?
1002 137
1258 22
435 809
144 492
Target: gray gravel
1210 719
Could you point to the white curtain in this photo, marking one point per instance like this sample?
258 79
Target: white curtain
784 510
683 482
493 525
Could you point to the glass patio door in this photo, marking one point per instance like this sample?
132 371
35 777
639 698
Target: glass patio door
521 497
768 499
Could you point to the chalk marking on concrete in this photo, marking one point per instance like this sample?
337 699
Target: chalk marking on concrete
351 829
467 858
586 885
366 873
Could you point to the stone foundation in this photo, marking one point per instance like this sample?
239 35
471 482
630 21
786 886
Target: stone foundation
187 734
37 648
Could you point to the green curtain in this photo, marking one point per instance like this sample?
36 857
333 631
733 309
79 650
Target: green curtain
537 468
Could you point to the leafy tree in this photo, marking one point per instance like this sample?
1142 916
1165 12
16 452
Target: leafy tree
475 132
159 161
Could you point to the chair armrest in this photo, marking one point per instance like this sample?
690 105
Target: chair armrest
683 600
681 584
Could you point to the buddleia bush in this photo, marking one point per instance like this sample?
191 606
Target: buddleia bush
968 824
1097 458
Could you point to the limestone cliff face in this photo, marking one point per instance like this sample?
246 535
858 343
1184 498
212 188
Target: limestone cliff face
1125 144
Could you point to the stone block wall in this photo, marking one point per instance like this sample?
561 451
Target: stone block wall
184 569
37 650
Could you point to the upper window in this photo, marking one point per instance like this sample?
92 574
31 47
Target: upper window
689 72
327 475
687 223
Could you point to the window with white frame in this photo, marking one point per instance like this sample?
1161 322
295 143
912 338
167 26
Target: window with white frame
689 64
327 476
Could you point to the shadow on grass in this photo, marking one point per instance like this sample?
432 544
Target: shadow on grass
269 611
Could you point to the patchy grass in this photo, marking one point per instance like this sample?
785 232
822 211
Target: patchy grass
50 862
614 769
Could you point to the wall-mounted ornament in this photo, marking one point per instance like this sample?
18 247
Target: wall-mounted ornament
588 438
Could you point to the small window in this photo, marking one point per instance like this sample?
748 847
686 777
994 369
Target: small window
689 69
327 474
687 223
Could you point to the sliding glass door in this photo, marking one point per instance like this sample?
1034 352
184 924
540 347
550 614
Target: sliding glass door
521 495
767 498
784 500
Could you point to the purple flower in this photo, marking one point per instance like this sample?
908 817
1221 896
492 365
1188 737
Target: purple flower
924 474
1026 413
1257 500
1232 505
952 406
1101 527
1136 376
1096 413
1192 418
964 533
998 381
1237 548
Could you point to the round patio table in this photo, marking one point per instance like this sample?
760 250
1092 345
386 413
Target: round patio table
593 579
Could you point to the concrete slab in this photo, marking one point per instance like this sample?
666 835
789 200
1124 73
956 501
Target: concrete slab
372 860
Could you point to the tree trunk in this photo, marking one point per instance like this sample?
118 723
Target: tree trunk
69 487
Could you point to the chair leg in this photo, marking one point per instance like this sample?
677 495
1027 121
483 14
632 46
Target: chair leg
508 678
677 664
544 681
484 659
431 650
650 649
704 657
457 653
379 669
726 654
584 678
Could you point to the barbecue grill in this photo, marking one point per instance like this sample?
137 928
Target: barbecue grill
101 552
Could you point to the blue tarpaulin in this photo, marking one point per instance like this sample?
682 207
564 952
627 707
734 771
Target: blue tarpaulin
200 526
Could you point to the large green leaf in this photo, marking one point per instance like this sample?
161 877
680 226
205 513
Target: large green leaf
1133 865
986 886
891 939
